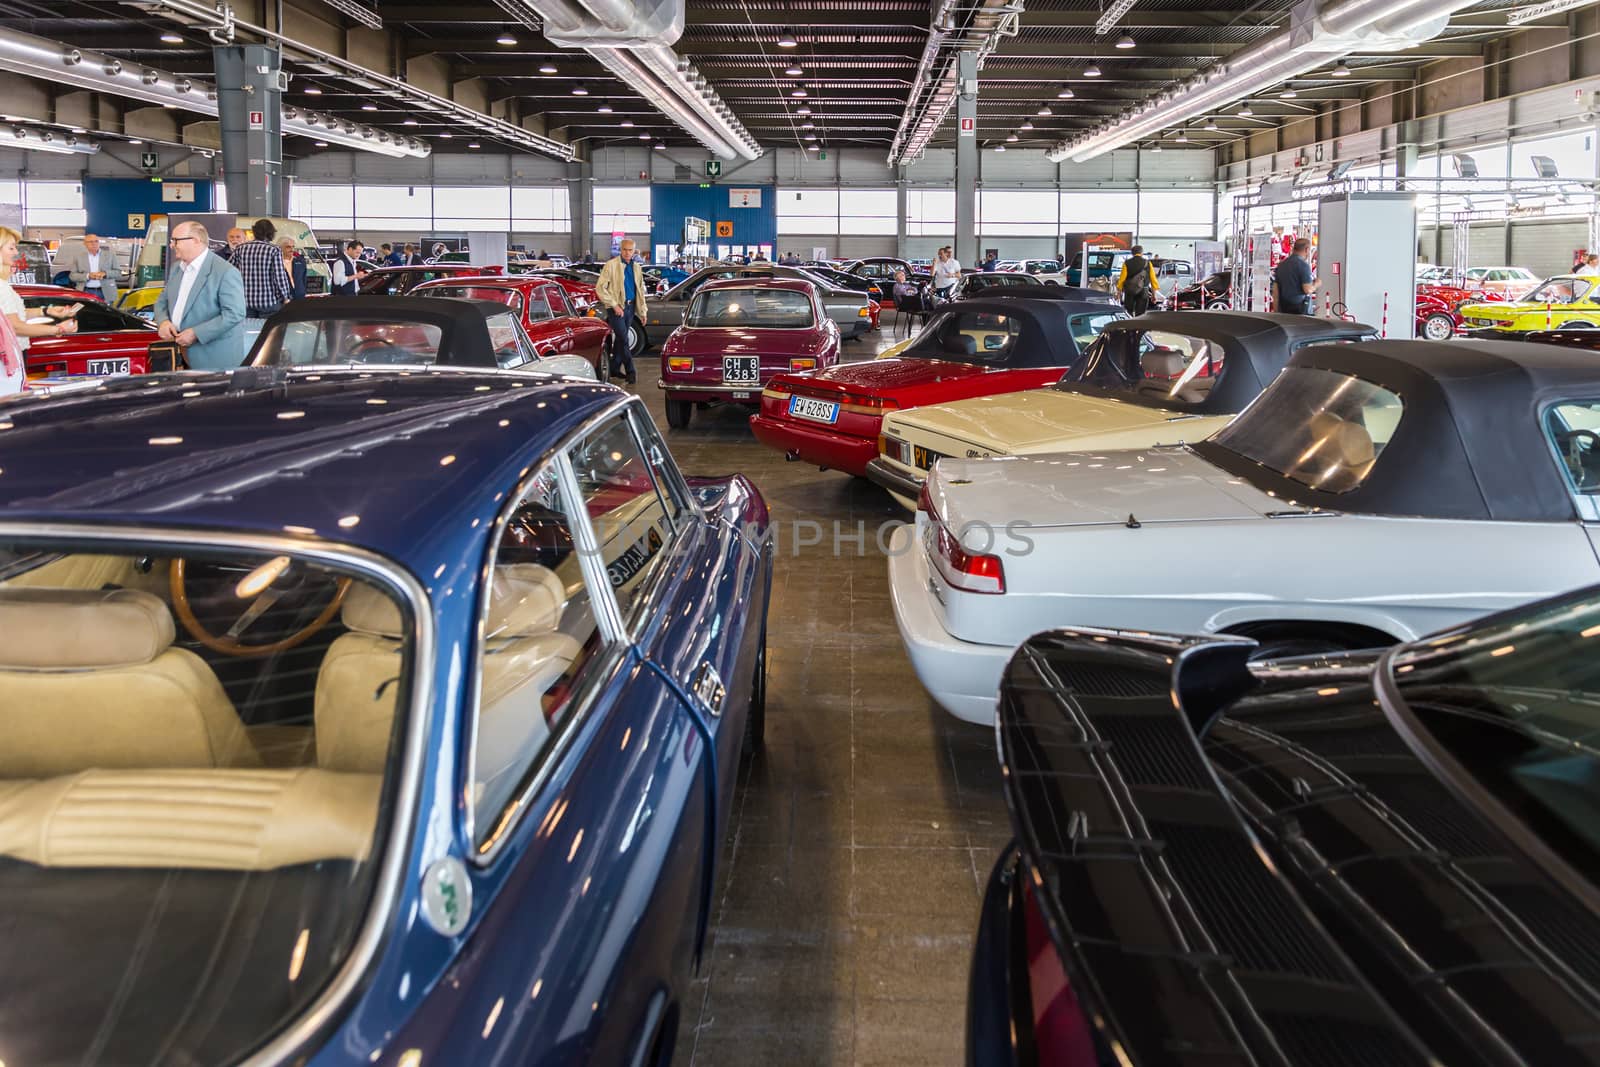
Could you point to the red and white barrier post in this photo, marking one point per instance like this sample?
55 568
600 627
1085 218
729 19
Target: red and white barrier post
1383 330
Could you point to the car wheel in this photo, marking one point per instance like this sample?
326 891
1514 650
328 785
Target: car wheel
755 723
1576 326
638 340
679 412
1438 327
1218 305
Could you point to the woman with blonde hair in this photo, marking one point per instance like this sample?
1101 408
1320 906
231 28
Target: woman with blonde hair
15 329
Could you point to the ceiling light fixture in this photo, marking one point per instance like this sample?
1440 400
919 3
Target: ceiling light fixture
787 40
312 90
811 148
810 137
1027 124
808 125
660 147
1045 111
171 38
45 141
644 136
473 144
1341 71
409 122
369 107
1288 94
604 108
1211 124
1182 138
1066 93
506 39
794 70
580 90
1092 70
547 67
999 148
798 92
447 135
1157 148
627 123
319 144
1126 41
1012 138
802 111
1245 112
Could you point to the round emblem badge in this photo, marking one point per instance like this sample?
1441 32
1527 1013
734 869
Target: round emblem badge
447 896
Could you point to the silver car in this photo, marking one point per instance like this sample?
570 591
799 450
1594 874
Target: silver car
848 309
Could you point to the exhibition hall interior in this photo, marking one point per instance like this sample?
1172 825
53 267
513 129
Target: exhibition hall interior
799 533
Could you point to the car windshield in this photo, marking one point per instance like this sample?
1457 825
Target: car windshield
1317 427
371 340
92 316
1085 328
201 747
509 297
773 309
1560 291
1517 704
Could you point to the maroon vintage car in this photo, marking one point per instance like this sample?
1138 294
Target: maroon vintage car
736 335
554 325
108 341
398 281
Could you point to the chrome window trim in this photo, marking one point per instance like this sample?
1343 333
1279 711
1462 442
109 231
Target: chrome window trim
349 979
607 619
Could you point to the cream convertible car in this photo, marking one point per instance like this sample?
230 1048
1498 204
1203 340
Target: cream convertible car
1162 378
1374 492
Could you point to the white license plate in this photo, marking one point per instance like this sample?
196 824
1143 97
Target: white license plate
108 366
23 277
741 370
802 407
741 394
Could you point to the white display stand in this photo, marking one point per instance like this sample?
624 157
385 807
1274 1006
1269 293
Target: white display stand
1366 259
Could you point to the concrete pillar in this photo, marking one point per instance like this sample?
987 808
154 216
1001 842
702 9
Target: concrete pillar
967 159
580 188
900 213
251 115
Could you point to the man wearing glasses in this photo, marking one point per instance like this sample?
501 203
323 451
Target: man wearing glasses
202 305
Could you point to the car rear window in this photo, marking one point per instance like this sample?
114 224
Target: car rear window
778 309
498 294
1157 368
1317 427
370 340
201 747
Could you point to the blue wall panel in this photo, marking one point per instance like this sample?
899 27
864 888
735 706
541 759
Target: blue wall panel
671 204
109 201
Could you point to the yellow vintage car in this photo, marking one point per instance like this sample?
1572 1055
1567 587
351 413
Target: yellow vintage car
140 301
1567 301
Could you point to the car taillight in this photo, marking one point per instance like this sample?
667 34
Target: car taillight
1060 1029
861 313
802 364
680 365
972 572
869 403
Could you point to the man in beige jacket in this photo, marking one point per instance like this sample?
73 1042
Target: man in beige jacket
621 292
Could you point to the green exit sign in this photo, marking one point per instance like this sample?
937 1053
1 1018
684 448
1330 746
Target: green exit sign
823 154
713 168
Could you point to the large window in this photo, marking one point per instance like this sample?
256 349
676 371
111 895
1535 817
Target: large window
930 212
324 207
622 209
541 209
1175 212
1017 212
812 211
1090 210
472 207
53 204
868 211
401 207
1572 153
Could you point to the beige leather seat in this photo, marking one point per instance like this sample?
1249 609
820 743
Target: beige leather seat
85 571
524 655
1340 455
90 678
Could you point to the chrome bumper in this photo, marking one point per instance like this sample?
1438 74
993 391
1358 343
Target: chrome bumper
880 472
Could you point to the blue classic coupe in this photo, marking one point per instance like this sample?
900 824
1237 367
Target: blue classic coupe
356 717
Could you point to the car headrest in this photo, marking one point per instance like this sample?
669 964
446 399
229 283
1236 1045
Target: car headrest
369 610
75 629
961 344
1341 440
524 599
1162 363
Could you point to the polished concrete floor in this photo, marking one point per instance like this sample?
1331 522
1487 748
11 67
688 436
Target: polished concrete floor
863 836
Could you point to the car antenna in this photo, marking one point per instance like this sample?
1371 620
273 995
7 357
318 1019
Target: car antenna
1132 523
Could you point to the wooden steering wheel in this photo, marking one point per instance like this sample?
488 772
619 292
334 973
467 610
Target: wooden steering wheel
229 643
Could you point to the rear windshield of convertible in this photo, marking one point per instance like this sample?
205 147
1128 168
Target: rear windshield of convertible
374 340
194 787
780 309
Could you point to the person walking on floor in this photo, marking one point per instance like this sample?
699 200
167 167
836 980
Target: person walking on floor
946 272
266 287
202 305
1136 282
621 292
94 268
1293 286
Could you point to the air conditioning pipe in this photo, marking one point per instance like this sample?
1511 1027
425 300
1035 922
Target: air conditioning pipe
1328 36
625 65
54 61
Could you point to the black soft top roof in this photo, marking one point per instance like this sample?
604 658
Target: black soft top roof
1469 443
1044 337
1255 345
464 335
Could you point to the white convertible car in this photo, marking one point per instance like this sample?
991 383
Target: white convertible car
1161 378
1374 492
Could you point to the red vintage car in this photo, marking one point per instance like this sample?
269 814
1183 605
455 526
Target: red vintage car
398 281
580 285
978 347
1438 309
554 325
108 341
736 336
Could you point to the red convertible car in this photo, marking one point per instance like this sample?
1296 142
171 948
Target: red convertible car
736 336
108 341
398 281
971 348
555 326
1438 309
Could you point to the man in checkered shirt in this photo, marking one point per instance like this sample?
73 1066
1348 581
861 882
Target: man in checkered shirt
266 283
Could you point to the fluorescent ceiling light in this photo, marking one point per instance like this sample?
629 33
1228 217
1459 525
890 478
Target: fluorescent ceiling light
409 122
369 107
319 144
808 125
798 92
644 137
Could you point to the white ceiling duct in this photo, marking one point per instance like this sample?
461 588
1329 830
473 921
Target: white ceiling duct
36 140
632 39
934 91
1311 40
55 62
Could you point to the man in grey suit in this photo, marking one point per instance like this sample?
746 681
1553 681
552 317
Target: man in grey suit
94 268
202 305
